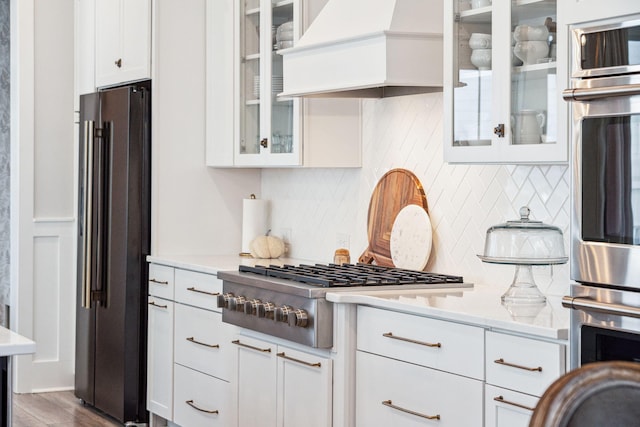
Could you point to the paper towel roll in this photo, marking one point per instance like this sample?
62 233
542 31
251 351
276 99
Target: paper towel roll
255 221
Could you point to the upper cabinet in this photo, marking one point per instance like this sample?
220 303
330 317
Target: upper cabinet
248 123
503 82
122 41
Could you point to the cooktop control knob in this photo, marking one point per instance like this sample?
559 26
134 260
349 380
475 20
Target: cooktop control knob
282 313
266 310
223 300
298 317
251 306
237 303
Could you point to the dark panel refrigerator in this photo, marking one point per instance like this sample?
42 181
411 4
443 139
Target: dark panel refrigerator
113 241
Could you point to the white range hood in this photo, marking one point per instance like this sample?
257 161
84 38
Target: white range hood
368 49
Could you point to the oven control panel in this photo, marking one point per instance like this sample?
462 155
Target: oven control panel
304 320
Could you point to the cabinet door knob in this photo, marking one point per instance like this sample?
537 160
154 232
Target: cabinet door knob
118 62
264 142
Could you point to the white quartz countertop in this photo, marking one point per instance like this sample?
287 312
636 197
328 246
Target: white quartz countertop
13 344
479 305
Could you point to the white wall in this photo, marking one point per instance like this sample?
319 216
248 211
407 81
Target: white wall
196 209
406 132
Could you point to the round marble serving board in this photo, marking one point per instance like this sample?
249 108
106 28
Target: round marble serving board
411 238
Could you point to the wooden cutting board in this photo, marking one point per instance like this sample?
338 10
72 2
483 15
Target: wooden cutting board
395 190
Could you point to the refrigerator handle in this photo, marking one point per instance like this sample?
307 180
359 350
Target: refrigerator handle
102 138
87 213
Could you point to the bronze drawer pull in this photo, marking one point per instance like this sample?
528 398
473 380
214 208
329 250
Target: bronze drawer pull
409 411
193 289
159 282
502 362
193 340
153 303
293 359
427 344
519 405
194 406
264 350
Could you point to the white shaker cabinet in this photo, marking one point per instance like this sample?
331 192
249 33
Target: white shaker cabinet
583 11
411 369
499 108
160 341
190 355
122 41
518 371
281 386
248 124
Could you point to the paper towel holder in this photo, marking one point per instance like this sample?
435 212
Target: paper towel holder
242 253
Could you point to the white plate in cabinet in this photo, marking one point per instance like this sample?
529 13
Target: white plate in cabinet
523 364
507 408
201 400
202 341
161 281
198 289
394 393
448 346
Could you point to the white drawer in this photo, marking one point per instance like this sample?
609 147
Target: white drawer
198 289
507 408
429 392
161 281
197 397
523 364
415 339
202 341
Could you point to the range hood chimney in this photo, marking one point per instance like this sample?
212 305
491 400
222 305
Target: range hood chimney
368 49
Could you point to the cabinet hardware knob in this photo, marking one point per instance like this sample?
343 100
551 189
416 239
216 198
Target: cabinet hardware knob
194 406
264 142
118 62
263 350
293 359
195 341
153 303
499 130
390 404
507 402
426 344
526 368
194 289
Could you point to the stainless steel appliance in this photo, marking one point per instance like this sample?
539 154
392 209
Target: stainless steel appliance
289 301
605 222
113 241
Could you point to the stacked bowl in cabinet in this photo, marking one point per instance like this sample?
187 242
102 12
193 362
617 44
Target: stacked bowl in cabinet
532 44
481 50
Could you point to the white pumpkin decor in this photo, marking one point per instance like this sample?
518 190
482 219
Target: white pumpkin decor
267 247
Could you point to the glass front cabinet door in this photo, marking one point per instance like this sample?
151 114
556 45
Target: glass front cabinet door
503 82
269 125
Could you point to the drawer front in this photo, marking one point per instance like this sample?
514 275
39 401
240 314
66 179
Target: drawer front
198 289
201 400
161 281
523 364
202 341
415 393
447 346
507 408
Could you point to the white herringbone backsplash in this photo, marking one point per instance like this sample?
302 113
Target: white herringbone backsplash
319 207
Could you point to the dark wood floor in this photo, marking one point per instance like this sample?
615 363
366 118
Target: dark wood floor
55 409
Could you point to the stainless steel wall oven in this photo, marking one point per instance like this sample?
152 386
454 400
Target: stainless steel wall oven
604 98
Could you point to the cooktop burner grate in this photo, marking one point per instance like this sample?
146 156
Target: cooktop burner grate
334 275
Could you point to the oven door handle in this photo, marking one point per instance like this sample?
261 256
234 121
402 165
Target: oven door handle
588 304
589 94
